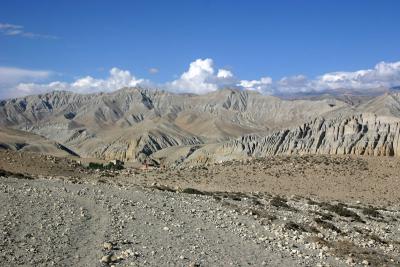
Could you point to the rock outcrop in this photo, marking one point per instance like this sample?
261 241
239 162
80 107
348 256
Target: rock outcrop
363 134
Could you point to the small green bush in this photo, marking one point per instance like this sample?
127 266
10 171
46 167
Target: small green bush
95 166
109 166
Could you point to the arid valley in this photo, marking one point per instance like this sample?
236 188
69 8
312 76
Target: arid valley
322 194
199 133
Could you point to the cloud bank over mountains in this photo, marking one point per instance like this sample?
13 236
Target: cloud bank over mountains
201 77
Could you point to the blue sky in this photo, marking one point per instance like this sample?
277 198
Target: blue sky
251 39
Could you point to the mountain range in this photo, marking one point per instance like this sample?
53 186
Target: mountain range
136 124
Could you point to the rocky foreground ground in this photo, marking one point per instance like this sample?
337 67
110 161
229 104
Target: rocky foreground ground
56 212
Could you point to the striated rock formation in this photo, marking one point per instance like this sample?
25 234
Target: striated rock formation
363 134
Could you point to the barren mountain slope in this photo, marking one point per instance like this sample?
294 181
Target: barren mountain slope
12 139
384 105
132 123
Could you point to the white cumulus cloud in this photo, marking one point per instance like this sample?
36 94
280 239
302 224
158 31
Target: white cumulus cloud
222 73
262 85
201 77
9 77
384 74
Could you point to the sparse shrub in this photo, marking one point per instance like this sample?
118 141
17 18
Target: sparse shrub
370 211
115 166
236 198
4 173
217 198
109 166
340 209
312 202
15 175
192 191
107 175
324 216
95 166
263 214
294 227
230 205
318 240
343 248
327 225
376 238
163 188
280 202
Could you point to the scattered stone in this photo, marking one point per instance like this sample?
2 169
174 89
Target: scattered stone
350 261
108 245
365 262
106 259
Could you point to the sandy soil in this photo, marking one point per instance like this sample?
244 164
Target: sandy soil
374 180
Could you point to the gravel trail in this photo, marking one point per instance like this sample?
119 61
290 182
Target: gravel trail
51 222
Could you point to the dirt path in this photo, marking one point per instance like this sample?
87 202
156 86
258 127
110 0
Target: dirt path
48 222
54 222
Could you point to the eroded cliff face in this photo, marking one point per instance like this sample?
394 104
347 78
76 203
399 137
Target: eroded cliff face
363 134
133 123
